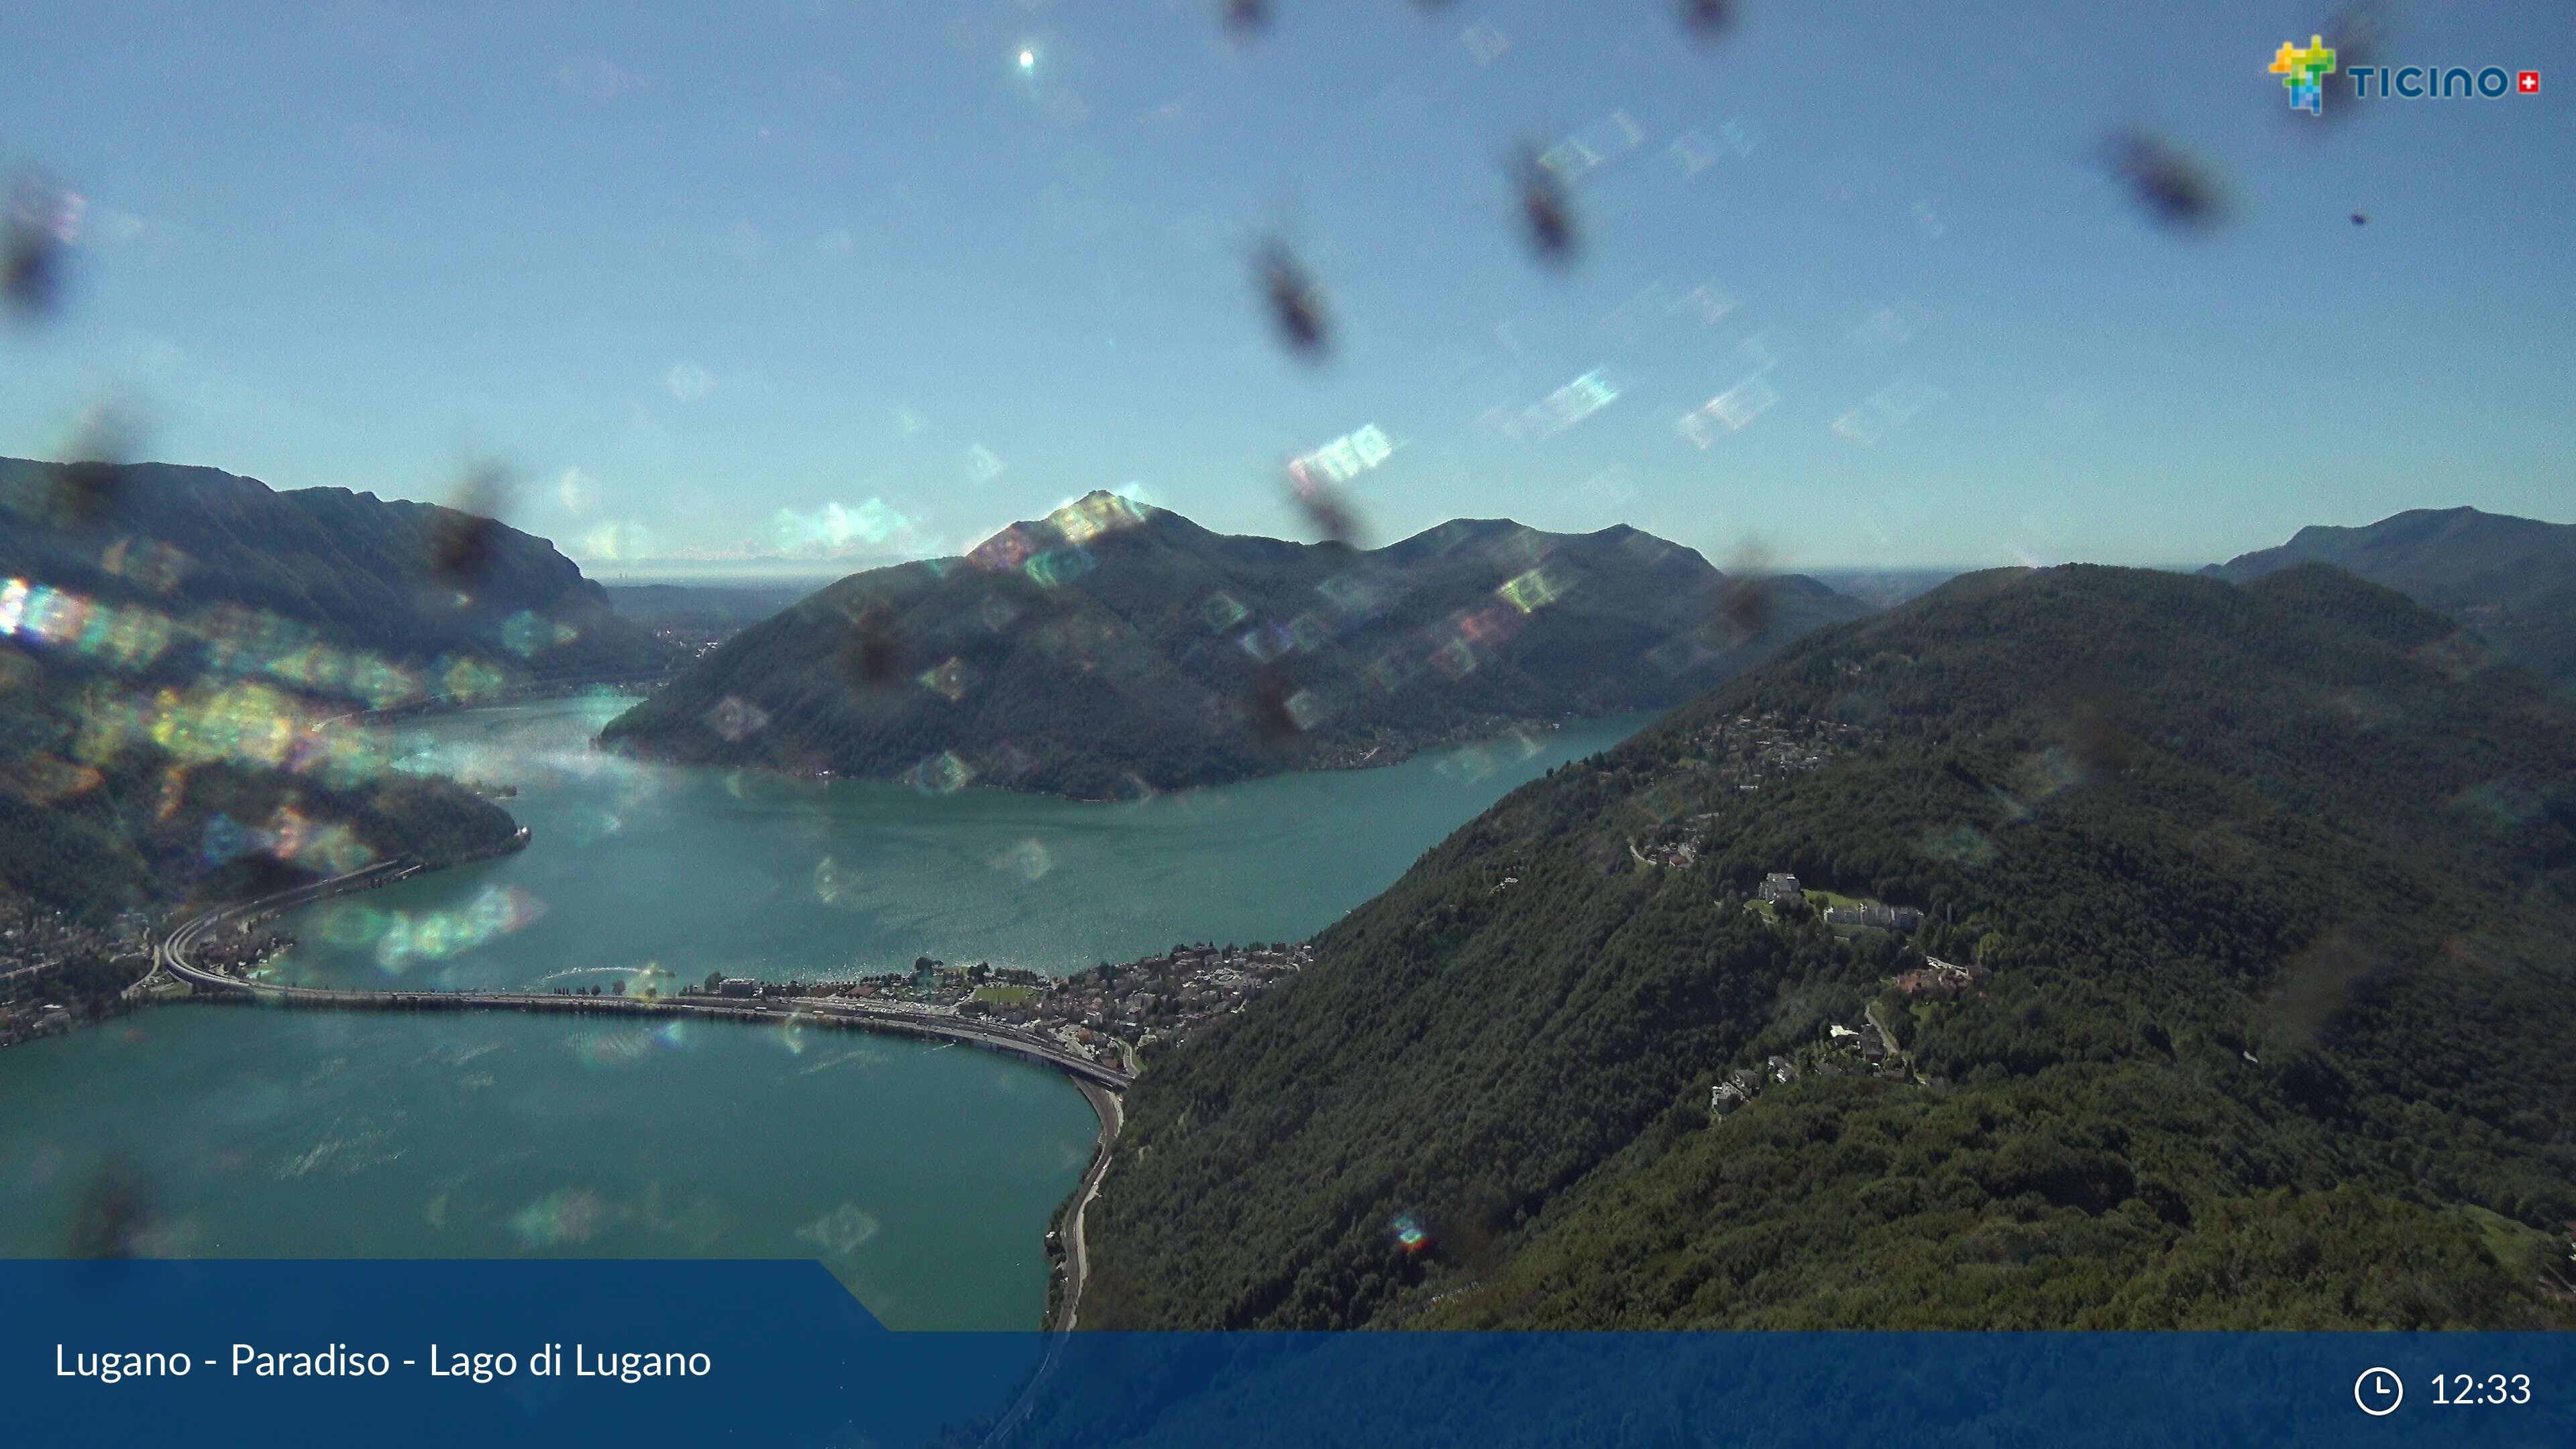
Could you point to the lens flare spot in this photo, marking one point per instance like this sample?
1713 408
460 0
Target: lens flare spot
832 880
599 1050
941 774
842 1231
1028 860
568 1215
408 939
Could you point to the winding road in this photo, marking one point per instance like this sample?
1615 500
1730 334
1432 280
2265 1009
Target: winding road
1077 1264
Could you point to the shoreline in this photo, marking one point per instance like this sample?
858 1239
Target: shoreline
1075 1270
1099 1083
529 692
177 974
172 956
175 977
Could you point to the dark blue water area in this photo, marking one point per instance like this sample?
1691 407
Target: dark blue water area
792 1359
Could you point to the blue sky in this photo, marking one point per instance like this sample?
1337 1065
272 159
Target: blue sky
720 280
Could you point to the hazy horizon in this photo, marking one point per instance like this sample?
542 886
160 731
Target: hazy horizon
780 570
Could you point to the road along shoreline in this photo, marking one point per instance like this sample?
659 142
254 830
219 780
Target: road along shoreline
1077 1262
174 955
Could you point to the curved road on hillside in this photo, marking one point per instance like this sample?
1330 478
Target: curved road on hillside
1077 1263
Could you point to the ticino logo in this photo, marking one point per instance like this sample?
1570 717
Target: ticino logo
2414 81
2304 68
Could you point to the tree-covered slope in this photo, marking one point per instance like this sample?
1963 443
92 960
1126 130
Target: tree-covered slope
1112 647
175 644
2511 580
2275 884
120 792
143 828
423 587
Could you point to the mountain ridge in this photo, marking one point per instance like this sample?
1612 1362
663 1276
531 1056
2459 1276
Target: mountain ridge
415 581
2511 579
175 639
1112 649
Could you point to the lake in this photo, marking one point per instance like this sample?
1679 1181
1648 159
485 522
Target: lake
921 1175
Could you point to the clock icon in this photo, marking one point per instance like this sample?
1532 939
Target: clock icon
2379 1391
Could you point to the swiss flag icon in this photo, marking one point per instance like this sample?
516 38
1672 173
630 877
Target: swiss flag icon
2528 83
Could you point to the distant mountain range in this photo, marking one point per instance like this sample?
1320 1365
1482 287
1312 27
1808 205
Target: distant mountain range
700 606
1884 588
1113 648
2246 1004
694 618
2512 580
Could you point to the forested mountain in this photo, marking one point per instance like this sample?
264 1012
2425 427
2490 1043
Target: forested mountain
175 641
2267 890
1113 648
422 587
2512 580
98 815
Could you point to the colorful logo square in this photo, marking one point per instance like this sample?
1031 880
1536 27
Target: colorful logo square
2303 70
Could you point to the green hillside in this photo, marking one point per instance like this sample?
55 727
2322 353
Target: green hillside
1112 648
2274 885
177 643
2512 581
145 828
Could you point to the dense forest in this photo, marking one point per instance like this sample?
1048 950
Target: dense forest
134 825
2271 885
1113 648
174 643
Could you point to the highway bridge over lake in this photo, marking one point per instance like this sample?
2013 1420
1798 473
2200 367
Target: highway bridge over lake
175 955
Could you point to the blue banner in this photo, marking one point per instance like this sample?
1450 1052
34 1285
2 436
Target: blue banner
778 1353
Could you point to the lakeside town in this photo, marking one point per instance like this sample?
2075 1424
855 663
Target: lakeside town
57 972
54 968
1115 1014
